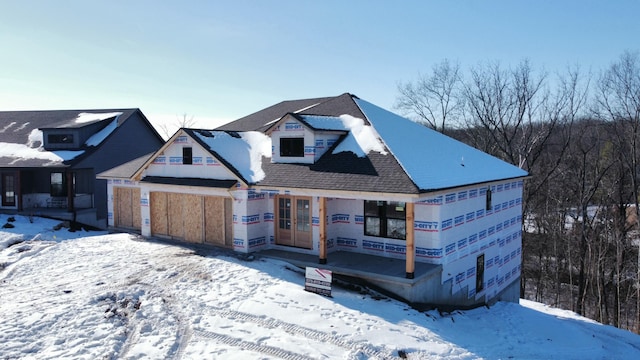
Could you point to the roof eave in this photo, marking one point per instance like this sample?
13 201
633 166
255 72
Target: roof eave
424 191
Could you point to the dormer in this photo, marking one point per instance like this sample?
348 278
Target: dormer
303 139
72 137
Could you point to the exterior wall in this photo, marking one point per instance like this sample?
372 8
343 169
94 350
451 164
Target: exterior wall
252 220
324 142
204 165
254 217
254 226
453 228
346 231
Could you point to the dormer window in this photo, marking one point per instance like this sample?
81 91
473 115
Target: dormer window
60 138
292 147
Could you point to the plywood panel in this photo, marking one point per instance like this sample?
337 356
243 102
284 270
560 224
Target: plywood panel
158 204
192 211
135 208
214 220
122 206
176 226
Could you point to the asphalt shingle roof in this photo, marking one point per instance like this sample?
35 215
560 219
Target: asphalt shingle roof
16 126
342 171
260 120
412 159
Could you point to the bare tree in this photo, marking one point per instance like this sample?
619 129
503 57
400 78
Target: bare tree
618 100
185 121
513 115
433 100
504 103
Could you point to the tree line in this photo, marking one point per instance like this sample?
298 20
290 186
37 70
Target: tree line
578 136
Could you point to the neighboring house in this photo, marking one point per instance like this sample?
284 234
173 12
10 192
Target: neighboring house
332 175
49 159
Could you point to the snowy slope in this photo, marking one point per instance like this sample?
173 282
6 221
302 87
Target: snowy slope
111 296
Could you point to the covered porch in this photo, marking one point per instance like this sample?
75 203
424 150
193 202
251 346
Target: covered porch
382 272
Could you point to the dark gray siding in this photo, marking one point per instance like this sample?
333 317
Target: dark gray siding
134 138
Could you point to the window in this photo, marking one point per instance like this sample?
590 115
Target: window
385 219
488 205
187 156
292 147
480 273
8 190
60 138
284 213
58 185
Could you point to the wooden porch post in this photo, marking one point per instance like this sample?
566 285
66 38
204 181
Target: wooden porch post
323 230
411 247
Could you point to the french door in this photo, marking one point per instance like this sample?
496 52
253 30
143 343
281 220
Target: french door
293 226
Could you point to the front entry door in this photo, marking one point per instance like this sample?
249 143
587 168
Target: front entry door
294 221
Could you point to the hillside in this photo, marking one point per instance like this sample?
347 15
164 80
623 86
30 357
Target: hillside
92 295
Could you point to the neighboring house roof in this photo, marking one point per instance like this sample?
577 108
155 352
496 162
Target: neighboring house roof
21 142
379 151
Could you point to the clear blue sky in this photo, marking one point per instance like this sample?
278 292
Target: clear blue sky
220 60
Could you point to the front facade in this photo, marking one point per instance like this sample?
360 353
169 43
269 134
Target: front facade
342 175
49 159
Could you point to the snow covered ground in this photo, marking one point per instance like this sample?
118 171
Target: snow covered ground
93 295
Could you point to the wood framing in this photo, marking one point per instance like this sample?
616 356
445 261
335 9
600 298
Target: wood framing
411 247
322 214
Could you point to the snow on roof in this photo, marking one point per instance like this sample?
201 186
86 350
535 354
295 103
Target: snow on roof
35 138
99 137
89 117
361 139
431 159
244 152
325 122
33 148
7 126
25 152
